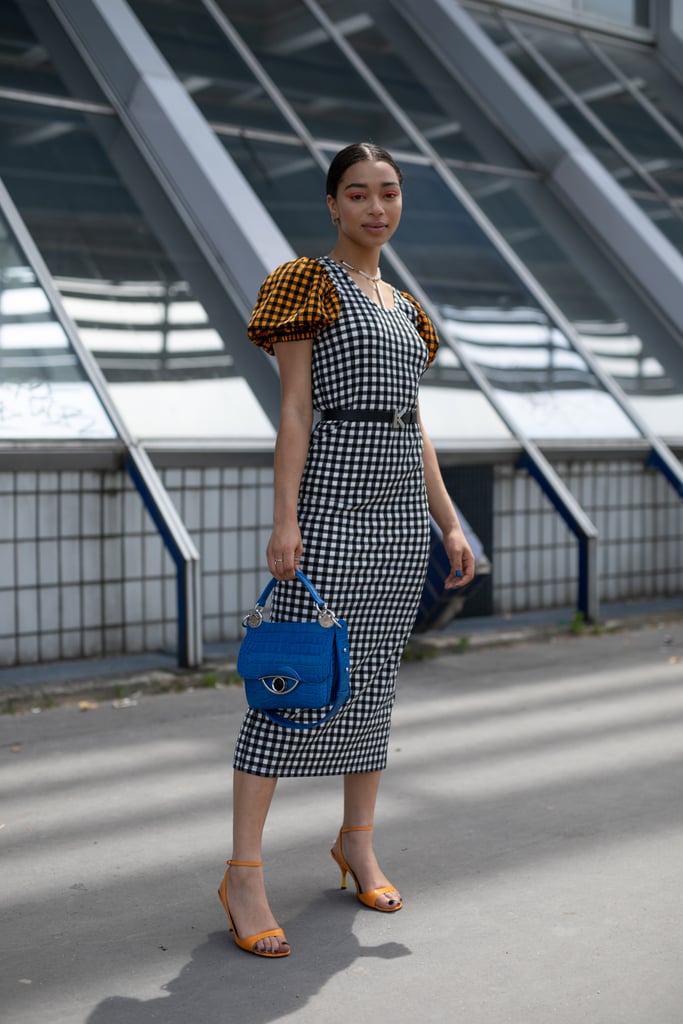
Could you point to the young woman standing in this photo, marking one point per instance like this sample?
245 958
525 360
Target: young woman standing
351 509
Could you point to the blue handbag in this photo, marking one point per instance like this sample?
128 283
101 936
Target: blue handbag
295 665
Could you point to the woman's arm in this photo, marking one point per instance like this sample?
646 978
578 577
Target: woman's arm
441 507
291 448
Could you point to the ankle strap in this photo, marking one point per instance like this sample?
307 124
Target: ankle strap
245 863
358 828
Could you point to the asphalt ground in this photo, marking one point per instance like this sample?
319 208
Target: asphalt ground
532 816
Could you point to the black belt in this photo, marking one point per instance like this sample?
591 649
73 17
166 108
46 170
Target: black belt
393 416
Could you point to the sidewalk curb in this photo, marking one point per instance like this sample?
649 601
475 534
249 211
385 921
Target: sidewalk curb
431 645
117 687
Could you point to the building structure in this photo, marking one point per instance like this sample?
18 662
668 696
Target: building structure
159 157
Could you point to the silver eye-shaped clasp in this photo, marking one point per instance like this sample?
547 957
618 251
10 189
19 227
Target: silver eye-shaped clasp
279 685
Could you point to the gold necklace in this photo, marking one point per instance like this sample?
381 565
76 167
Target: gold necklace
372 279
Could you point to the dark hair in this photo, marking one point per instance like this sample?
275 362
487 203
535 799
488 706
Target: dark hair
353 154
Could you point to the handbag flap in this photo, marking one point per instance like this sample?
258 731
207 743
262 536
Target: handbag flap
273 647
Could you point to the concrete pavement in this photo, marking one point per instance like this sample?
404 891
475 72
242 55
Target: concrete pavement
532 816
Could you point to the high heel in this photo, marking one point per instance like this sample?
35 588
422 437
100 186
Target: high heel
249 943
370 896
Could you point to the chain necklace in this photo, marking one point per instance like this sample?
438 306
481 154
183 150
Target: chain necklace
372 279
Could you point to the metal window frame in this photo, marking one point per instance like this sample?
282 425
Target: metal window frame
634 90
590 116
650 264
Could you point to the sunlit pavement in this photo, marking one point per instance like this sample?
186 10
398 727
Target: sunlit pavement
532 816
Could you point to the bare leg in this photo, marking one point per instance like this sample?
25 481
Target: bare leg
360 797
251 914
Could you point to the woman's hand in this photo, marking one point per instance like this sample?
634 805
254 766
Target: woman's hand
284 551
460 557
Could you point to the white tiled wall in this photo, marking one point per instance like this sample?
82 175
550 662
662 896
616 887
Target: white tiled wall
83 572
640 524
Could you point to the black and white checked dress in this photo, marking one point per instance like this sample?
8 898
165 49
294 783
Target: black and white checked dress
362 510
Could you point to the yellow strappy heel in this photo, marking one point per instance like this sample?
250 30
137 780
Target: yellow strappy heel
249 943
370 896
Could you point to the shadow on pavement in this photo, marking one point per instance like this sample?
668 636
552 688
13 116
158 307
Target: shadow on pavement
221 982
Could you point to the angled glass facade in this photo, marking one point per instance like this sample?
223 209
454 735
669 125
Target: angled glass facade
542 382
617 99
120 282
267 80
624 106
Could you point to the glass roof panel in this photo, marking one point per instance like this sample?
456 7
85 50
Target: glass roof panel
291 185
645 158
318 81
538 377
213 72
24 62
663 157
564 262
44 391
166 366
424 91
613 103
563 52
324 91
654 82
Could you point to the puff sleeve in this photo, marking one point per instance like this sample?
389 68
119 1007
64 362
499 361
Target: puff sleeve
294 303
425 327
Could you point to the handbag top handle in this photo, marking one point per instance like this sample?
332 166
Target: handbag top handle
326 616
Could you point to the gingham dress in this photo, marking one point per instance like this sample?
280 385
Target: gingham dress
362 508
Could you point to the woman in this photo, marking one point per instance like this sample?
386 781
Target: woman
351 508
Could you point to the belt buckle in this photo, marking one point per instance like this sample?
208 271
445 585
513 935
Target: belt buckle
397 421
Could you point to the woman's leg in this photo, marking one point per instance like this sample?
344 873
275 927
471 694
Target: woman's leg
251 914
360 797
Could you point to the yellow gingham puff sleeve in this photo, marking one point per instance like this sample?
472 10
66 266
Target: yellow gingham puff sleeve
294 303
425 328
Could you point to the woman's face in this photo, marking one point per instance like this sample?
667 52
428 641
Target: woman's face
368 203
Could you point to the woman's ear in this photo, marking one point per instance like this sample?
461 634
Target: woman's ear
332 207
